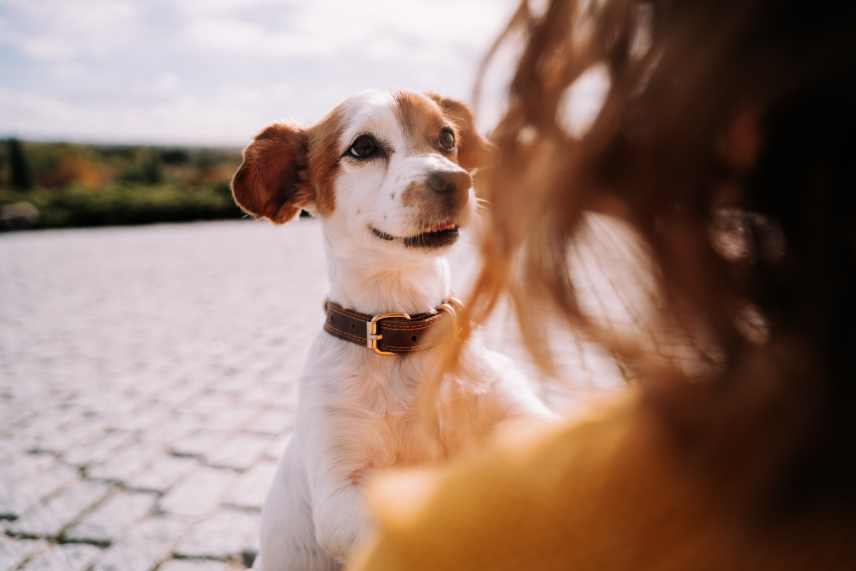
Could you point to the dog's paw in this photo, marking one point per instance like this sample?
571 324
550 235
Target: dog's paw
340 526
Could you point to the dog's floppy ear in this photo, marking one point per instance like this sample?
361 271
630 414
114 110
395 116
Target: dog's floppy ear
474 151
271 181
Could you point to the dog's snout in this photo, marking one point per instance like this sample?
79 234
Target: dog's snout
448 182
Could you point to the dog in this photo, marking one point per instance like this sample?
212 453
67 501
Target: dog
389 174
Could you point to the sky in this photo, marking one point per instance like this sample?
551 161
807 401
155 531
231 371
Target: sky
214 72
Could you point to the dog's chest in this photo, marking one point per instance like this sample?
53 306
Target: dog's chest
371 407
375 415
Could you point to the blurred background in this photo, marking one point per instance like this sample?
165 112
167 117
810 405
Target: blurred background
147 366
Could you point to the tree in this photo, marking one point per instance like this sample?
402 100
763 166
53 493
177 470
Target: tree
150 169
175 156
21 176
146 168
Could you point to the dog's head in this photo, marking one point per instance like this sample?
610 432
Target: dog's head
385 171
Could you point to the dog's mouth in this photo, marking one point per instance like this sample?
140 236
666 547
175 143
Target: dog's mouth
435 236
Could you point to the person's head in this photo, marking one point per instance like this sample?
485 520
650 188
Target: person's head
725 143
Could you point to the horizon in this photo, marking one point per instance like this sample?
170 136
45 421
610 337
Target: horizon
97 143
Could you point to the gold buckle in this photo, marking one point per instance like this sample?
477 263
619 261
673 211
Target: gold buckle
372 336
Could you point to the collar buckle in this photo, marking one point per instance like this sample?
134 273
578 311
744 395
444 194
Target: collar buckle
372 336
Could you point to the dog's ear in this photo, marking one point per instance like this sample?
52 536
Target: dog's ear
474 151
271 181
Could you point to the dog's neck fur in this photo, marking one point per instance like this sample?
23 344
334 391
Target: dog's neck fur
370 285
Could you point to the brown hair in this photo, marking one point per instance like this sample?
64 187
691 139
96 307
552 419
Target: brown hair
725 142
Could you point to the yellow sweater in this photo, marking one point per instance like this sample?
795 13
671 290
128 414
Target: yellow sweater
606 493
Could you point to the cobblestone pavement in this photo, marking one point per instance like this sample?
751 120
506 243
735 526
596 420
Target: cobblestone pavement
147 389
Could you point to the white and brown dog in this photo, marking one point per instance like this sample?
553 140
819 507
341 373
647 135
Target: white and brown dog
389 176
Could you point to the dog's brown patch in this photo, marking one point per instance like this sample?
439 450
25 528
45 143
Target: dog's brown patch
412 194
422 119
474 151
286 168
324 160
434 207
271 183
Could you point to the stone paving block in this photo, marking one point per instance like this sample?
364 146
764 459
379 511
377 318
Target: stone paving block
177 395
31 435
200 444
59 441
13 552
99 451
122 465
189 565
272 422
236 385
13 417
28 480
143 545
61 510
198 495
238 452
169 427
8 451
111 518
105 405
226 534
161 473
141 418
232 419
251 488
277 395
258 394
63 558
209 403
61 417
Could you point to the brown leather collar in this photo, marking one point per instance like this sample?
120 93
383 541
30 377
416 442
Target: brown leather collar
387 333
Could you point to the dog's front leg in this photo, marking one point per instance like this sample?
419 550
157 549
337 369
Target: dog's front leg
336 466
340 517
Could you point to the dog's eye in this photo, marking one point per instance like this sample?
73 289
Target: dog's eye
365 147
447 139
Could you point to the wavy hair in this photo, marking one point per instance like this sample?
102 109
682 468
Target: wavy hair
725 143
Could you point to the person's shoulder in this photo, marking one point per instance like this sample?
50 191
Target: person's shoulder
471 512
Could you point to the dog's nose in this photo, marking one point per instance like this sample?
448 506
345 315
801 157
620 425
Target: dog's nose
447 182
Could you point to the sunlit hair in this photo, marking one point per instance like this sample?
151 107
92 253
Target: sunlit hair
725 144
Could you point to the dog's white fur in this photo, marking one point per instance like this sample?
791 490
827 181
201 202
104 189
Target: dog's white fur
356 409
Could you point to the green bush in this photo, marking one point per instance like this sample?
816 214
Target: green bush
21 176
94 185
174 156
121 204
146 169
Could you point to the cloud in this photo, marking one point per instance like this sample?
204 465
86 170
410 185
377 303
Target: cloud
245 39
381 29
202 8
62 31
216 71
